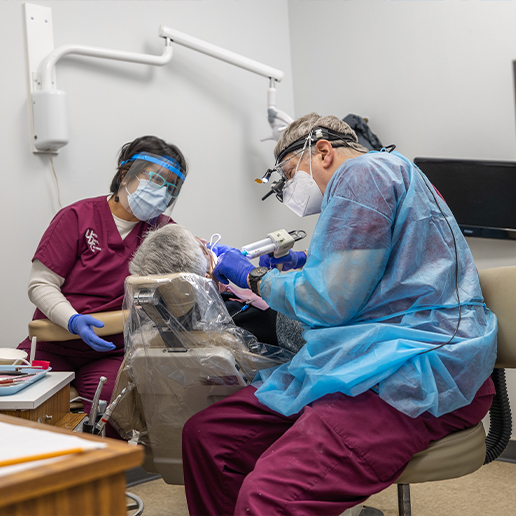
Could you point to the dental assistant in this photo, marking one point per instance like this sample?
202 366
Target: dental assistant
82 260
399 344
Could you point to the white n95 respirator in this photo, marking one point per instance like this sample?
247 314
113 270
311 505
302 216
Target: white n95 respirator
302 195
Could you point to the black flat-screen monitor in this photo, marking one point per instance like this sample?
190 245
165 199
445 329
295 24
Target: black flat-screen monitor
481 194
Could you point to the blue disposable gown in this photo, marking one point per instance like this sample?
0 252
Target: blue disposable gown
378 290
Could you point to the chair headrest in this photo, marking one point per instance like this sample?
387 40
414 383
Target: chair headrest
179 290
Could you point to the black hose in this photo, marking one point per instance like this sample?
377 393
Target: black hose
500 427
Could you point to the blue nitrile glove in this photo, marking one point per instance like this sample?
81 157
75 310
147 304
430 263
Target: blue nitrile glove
82 325
234 266
292 260
219 249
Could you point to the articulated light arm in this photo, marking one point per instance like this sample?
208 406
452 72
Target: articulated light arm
220 53
49 118
278 120
48 64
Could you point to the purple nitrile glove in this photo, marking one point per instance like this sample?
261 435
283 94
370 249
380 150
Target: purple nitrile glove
233 266
82 325
219 249
292 260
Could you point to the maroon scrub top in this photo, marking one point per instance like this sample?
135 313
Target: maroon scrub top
83 245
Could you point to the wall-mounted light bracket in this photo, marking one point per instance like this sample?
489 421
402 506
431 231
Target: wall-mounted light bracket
49 121
40 43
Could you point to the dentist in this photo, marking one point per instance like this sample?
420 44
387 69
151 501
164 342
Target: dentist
399 344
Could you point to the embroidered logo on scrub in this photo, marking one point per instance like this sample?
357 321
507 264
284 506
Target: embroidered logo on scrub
92 239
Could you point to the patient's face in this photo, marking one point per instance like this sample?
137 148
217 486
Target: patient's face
210 257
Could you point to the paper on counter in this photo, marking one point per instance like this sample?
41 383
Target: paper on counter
21 443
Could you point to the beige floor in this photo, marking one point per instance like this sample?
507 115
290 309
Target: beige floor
491 491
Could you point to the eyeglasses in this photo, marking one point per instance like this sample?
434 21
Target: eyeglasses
280 169
284 165
159 181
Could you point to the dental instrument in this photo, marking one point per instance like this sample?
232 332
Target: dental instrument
278 243
96 397
110 409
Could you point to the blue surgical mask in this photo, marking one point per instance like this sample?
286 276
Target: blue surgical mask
148 201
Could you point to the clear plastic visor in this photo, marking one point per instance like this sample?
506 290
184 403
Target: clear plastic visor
158 171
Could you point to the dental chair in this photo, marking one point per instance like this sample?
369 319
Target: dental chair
464 452
183 353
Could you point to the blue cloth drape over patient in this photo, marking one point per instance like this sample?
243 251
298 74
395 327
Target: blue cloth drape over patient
377 290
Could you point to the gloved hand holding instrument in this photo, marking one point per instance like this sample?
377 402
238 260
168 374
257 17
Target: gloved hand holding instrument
234 266
276 250
219 249
292 260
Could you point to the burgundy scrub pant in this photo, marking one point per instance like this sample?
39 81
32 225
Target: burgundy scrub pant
241 458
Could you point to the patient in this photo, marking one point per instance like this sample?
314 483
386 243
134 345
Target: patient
173 249
169 385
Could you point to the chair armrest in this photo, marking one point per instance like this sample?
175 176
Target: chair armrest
46 330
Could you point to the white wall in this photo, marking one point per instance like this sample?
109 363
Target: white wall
215 112
433 77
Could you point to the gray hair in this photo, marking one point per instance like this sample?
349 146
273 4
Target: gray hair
302 127
169 249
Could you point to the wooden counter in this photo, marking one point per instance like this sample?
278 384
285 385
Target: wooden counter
85 484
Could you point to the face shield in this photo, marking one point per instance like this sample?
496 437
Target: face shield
151 185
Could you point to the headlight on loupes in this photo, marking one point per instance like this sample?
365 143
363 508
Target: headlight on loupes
276 186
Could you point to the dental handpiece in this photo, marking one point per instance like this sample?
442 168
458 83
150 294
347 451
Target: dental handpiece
95 403
278 242
111 407
259 248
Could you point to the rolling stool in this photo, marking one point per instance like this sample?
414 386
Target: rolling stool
464 452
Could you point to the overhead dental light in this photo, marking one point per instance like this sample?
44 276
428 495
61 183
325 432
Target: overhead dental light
278 120
49 119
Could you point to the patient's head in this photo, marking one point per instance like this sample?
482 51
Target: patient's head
171 249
